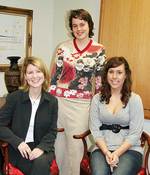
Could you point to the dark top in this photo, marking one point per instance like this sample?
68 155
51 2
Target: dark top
16 114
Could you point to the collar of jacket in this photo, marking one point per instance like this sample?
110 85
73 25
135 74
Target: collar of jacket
44 96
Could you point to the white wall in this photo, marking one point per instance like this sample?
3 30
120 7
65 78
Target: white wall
147 126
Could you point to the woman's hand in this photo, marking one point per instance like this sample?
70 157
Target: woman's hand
115 160
24 150
112 158
35 153
108 156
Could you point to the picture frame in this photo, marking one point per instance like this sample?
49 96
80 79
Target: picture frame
15 34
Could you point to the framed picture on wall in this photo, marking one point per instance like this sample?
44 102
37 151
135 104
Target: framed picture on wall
15 34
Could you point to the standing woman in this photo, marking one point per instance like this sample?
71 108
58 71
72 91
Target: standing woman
77 65
31 114
116 122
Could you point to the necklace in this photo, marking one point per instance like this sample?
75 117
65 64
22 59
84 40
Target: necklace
35 100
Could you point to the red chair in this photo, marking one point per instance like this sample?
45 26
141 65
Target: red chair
9 169
85 165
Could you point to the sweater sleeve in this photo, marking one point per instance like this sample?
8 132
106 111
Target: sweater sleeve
95 122
56 65
136 122
99 68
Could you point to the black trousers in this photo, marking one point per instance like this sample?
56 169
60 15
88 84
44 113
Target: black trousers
38 166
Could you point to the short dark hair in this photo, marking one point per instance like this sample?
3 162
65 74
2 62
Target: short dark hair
83 15
126 89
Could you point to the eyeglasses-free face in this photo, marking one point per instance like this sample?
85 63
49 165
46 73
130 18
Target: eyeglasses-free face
80 29
34 76
116 77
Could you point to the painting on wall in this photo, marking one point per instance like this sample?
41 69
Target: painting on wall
15 34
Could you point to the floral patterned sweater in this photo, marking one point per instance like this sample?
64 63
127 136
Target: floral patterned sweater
75 70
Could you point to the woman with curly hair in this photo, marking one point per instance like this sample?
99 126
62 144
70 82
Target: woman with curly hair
116 122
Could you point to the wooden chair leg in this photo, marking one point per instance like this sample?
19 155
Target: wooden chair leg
4 149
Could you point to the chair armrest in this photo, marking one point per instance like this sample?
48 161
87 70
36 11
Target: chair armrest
83 135
3 144
145 137
60 129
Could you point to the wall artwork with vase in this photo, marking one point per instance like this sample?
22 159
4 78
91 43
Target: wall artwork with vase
15 43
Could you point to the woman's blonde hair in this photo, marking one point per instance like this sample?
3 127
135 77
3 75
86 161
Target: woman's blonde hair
40 65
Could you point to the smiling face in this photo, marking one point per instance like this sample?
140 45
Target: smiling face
80 28
116 77
34 76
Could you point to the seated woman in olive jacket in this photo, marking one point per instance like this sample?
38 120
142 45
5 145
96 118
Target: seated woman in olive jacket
31 114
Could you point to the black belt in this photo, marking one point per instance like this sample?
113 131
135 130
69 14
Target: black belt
114 127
